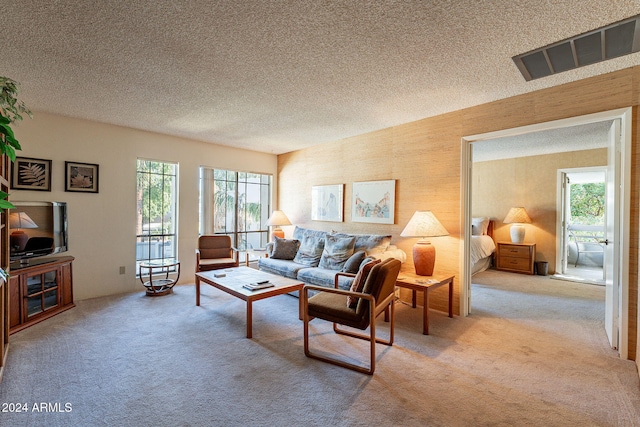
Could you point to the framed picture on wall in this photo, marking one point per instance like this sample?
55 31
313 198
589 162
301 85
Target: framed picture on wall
327 202
373 201
81 177
31 174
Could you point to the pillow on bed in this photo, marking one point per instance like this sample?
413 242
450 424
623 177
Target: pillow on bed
479 226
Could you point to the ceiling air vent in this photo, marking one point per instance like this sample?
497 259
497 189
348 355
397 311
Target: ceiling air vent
621 38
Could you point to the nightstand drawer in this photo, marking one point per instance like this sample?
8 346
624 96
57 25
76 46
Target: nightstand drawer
515 251
513 263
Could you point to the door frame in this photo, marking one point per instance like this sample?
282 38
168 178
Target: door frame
561 206
622 240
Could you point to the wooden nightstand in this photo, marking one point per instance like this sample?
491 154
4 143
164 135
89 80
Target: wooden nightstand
516 257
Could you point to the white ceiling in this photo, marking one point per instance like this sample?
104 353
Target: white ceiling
276 76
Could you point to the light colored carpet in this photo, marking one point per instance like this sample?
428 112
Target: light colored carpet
533 353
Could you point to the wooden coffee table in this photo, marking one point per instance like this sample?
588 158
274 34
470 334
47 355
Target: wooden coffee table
235 277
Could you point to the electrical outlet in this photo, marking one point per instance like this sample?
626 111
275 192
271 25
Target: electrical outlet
122 269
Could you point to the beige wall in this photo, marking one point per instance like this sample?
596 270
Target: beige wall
102 227
531 182
425 159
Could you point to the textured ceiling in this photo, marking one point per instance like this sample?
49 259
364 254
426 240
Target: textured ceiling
276 76
573 138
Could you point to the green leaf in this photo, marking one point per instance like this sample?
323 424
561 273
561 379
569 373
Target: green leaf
4 120
9 151
6 130
5 204
3 195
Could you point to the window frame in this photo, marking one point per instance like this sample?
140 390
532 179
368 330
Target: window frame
168 171
234 182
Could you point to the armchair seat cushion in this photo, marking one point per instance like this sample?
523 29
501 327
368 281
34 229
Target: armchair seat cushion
217 263
331 307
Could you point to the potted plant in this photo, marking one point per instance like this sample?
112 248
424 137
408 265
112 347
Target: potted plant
11 110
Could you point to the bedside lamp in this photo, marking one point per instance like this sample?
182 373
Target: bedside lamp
424 224
277 219
518 217
17 221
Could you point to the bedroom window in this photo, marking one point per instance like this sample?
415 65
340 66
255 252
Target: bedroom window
236 204
157 195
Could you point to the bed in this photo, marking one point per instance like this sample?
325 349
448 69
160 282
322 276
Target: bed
482 244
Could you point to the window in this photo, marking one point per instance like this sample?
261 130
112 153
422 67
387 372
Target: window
157 196
236 204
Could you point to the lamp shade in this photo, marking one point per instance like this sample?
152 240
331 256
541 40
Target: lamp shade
277 219
518 217
424 224
21 220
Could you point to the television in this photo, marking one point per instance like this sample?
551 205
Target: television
37 229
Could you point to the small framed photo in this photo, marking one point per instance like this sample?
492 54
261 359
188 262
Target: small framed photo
81 177
31 174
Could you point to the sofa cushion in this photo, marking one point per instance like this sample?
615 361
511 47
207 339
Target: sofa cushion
370 243
310 251
353 263
300 232
337 251
358 283
281 267
323 277
284 248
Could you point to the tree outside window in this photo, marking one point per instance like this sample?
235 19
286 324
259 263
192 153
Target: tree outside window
587 203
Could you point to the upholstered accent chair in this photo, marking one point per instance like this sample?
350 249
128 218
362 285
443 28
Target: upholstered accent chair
330 304
215 252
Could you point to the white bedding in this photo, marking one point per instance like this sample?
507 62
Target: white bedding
481 247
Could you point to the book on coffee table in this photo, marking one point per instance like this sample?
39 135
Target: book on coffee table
256 286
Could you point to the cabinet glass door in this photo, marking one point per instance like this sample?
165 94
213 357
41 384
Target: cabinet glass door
42 293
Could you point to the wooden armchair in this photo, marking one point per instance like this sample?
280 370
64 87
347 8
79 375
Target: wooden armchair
215 252
330 304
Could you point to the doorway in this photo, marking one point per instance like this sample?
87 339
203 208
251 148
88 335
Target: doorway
618 167
582 218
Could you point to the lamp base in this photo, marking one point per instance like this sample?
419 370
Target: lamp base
517 233
424 258
18 240
277 232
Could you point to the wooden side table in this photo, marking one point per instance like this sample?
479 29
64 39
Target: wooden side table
425 284
258 253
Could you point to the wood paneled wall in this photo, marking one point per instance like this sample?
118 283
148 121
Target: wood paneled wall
425 159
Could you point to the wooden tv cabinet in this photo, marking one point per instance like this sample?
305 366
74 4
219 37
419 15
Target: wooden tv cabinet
39 290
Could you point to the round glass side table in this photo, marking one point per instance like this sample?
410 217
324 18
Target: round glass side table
160 286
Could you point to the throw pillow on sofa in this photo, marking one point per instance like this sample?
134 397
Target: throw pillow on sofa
284 248
310 251
358 283
337 251
353 263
